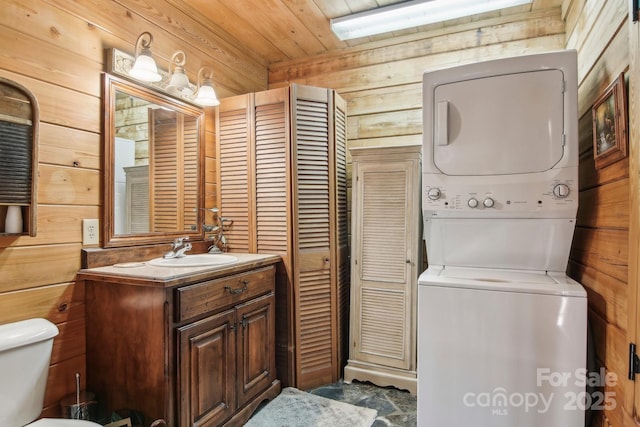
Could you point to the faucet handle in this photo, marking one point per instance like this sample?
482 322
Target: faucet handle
178 241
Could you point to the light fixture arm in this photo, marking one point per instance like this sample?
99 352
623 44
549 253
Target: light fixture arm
178 59
144 42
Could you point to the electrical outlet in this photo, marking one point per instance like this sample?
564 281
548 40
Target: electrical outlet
90 232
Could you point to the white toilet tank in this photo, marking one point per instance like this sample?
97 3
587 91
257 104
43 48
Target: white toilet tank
25 352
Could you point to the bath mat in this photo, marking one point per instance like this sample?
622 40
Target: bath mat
295 408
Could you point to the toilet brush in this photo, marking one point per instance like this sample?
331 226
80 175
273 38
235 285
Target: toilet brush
78 392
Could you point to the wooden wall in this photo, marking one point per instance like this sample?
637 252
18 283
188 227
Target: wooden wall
56 49
599 256
382 81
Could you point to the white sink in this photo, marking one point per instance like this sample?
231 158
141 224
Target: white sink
196 260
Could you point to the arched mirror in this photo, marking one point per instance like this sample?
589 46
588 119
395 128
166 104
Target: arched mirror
154 168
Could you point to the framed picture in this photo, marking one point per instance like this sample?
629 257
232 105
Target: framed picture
609 113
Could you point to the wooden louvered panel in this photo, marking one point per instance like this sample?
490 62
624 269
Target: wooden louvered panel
383 323
190 175
313 175
342 236
137 199
233 182
384 240
316 300
164 171
315 327
271 153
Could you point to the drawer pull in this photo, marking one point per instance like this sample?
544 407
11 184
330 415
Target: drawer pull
239 290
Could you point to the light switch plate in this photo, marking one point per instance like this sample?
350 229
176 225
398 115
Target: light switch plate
90 232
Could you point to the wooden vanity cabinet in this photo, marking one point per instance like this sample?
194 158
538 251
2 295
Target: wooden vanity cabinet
201 352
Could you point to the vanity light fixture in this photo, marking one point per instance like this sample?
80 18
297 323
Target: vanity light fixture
206 95
179 82
412 14
144 67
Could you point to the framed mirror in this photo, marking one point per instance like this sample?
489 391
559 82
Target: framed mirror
153 166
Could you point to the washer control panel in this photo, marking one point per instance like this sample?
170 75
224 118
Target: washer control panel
506 198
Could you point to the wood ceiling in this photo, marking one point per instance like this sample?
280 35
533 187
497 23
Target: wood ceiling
282 30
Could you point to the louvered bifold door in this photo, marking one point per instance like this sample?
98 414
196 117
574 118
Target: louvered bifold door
314 238
383 303
273 211
165 171
339 128
192 170
234 134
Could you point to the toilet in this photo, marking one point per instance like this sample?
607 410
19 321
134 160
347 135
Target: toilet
25 352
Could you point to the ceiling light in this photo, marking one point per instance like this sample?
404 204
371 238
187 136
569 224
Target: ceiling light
206 95
412 14
144 67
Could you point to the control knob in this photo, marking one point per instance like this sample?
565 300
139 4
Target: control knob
488 202
472 203
433 193
561 190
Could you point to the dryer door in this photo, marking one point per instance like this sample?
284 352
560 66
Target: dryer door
503 124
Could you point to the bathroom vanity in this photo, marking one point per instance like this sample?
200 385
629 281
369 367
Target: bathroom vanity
190 345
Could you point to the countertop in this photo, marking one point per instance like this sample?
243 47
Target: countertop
144 274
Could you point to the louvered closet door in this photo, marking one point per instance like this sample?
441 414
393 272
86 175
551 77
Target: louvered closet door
234 127
314 238
273 211
339 127
164 166
191 170
272 172
383 299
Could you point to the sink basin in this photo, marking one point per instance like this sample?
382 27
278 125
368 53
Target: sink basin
196 260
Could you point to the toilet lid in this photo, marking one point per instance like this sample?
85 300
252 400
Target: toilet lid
60 422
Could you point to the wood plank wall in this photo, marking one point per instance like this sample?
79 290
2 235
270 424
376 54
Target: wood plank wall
56 49
599 256
382 81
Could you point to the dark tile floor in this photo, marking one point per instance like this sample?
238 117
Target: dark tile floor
395 407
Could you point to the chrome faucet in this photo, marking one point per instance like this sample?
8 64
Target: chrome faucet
178 248
219 242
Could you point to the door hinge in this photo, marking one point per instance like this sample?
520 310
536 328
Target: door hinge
244 323
634 362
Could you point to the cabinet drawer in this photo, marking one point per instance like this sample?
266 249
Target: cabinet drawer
211 295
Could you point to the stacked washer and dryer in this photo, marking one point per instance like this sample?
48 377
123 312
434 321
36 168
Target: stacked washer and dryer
501 328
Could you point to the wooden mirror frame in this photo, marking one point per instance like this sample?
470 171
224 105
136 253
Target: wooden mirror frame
111 85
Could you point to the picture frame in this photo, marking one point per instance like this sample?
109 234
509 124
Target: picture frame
609 116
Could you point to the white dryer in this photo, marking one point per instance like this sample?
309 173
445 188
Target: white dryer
499 322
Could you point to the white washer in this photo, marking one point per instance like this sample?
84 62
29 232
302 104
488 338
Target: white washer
500 339
501 328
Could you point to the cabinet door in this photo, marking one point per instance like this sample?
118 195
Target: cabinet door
256 347
382 306
206 370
